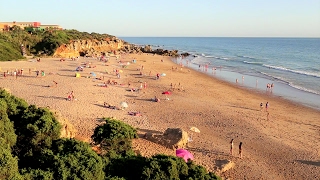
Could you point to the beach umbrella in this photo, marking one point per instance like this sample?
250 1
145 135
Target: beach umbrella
184 154
124 104
166 92
194 129
93 74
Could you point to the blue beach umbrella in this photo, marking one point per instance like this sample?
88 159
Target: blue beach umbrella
93 74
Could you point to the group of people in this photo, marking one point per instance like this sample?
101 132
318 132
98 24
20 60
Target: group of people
240 148
15 73
270 86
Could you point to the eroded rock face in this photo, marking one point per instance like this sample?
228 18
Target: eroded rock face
94 48
172 138
67 130
89 48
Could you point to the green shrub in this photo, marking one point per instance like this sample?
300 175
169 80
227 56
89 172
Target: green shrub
32 174
76 160
12 105
6 129
157 167
114 138
8 163
36 129
113 130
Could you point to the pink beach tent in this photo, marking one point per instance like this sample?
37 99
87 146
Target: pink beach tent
184 154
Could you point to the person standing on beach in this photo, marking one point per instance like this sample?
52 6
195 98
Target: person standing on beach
261 106
267 106
70 96
231 146
240 150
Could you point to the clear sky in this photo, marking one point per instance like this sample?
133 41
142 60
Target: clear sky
157 18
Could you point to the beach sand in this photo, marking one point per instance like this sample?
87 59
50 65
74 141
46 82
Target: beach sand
284 146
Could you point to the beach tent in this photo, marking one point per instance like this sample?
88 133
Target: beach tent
184 154
78 75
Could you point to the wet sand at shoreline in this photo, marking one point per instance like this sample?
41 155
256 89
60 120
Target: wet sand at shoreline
284 146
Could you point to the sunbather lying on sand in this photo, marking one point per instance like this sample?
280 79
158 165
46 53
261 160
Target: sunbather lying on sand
135 113
109 106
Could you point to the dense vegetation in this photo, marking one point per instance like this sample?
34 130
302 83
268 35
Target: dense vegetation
30 148
39 42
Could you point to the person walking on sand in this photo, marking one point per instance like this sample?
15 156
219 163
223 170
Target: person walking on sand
231 146
240 150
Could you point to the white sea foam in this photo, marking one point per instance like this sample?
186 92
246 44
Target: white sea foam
257 63
304 89
248 57
276 78
293 71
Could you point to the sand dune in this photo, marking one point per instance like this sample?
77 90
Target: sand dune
284 146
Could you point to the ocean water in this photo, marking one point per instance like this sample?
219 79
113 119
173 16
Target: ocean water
291 64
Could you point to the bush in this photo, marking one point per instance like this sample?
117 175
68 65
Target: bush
157 167
32 174
36 129
75 160
113 130
114 138
6 129
12 105
8 163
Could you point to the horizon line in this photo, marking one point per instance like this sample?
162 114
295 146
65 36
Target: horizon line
216 37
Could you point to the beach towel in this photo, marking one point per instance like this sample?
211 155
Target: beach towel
78 75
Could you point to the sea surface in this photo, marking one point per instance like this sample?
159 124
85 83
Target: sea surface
291 64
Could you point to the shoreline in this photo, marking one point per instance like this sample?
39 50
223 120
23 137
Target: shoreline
256 83
281 146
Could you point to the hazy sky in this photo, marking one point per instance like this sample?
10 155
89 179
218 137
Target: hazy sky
216 18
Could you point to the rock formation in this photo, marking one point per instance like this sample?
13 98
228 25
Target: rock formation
67 130
89 47
96 48
171 138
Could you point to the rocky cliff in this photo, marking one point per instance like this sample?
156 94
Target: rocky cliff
89 47
95 48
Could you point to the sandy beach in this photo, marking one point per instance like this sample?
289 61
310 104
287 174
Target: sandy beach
282 145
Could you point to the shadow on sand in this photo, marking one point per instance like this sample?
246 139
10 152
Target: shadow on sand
54 97
313 163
